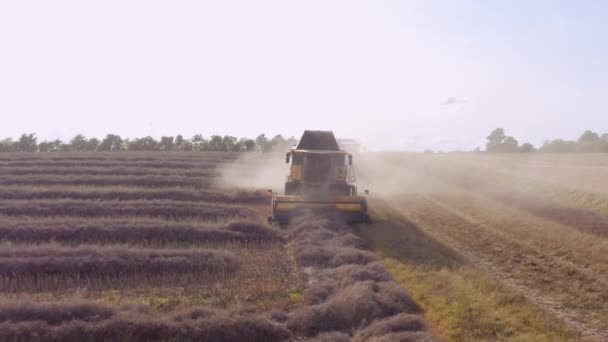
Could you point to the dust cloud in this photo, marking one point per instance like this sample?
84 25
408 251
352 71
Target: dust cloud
387 174
255 171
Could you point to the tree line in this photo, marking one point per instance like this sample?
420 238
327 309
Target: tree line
114 143
588 142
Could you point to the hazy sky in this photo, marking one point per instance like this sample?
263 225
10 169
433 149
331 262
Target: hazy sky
394 74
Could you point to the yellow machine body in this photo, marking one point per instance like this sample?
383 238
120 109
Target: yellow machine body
321 177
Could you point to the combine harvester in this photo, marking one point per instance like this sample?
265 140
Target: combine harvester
321 177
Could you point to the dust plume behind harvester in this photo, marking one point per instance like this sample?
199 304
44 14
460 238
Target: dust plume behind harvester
321 177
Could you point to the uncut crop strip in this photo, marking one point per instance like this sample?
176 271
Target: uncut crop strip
132 194
146 232
48 267
107 180
102 171
162 209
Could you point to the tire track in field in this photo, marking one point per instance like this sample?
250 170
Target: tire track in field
510 261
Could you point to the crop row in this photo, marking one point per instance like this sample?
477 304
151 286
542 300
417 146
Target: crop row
136 232
135 156
156 208
131 194
204 164
347 288
82 321
44 267
107 180
104 170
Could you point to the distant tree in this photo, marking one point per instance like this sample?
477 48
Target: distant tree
589 142
143 144
527 148
604 142
112 143
92 145
44 146
78 143
559 146
495 139
277 140
216 143
510 145
166 144
247 145
186 146
179 142
498 142
27 143
229 143
7 145
199 143
262 143
588 137
51 146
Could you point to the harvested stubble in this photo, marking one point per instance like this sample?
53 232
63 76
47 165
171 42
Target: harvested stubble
132 194
107 180
46 267
35 323
156 208
346 287
147 232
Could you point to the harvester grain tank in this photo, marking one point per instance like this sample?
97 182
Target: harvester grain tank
321 177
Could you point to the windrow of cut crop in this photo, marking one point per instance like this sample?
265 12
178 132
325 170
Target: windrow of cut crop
348 293
94 322
157 208
53 267
132 194
146 232
123 156
204 172
110 163
107 180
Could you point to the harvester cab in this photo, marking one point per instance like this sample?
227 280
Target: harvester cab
321 177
